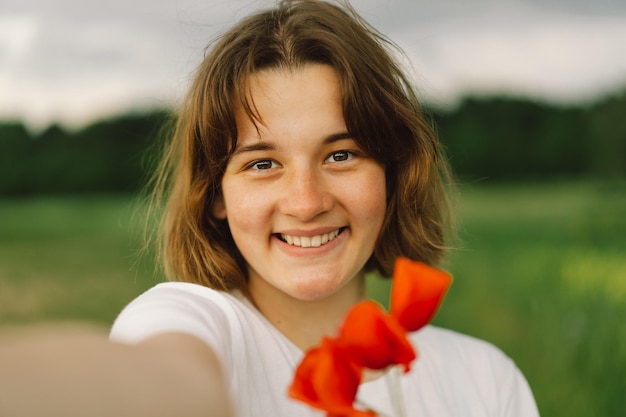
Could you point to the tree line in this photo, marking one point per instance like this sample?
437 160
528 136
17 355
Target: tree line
496 139
486 139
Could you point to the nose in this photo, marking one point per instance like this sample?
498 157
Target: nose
305 195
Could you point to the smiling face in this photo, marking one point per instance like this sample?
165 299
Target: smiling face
304 204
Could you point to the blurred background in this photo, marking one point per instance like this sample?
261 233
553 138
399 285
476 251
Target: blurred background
528 96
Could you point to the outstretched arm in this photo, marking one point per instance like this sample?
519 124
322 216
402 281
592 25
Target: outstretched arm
66 372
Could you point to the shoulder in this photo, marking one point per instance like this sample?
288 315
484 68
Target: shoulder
181 297
180 289
449 344
474 370
465 356
178 307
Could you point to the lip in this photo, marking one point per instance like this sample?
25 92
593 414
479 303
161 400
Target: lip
300 251
310 233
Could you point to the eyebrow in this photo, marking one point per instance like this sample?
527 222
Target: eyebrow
264 146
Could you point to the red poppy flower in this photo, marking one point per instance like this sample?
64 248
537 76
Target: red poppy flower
417 293
328 380
329 375
374 339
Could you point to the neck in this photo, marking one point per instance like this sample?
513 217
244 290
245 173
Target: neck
306 322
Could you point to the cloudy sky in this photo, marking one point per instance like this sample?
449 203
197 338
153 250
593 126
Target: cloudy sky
71 61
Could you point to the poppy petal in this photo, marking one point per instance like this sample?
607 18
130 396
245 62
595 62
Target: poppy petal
326 379
374 339
417 292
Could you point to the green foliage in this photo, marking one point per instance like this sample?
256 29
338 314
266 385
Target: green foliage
608 135
491 139
504 138
108 156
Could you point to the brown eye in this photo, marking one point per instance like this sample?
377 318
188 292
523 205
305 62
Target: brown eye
339 156
262 165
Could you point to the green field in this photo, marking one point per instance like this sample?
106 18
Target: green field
541 272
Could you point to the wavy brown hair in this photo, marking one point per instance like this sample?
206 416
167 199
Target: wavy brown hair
381 111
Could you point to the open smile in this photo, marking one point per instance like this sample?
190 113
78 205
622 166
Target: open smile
310 241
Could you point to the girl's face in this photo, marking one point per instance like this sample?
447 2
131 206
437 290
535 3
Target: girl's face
304 204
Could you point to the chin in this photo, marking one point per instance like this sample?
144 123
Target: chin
314 290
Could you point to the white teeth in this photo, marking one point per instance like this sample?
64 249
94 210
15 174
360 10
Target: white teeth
310 241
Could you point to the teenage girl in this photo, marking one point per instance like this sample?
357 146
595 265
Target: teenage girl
301 160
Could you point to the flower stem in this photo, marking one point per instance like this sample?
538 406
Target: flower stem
395 391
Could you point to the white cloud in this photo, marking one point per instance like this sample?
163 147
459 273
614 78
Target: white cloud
17 33
79 61
76 71
555 58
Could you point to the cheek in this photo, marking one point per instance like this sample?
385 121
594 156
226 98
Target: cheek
247 210
377 204
240 210
369 198
376 192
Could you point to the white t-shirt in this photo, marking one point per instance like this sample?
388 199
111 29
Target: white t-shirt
454 376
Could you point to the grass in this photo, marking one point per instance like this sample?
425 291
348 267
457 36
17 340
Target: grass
68 259
541 273
543 276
